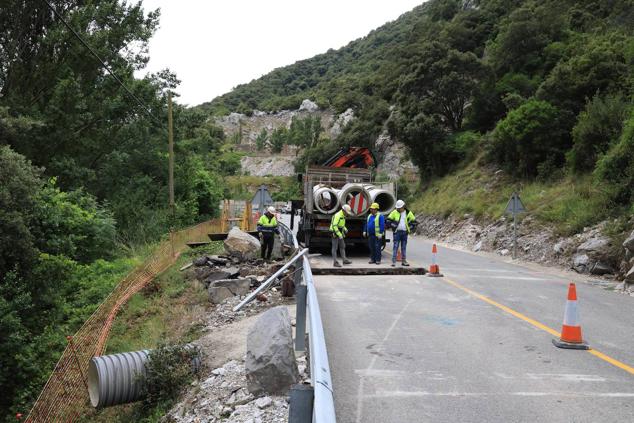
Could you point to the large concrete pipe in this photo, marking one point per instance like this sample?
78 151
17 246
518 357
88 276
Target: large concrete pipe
357 197
117 378
325 199
384 198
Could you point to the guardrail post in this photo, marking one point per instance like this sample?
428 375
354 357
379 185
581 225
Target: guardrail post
300 317
301 404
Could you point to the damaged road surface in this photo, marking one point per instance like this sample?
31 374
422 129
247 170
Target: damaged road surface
406 348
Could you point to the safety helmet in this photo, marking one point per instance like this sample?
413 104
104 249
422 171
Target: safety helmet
271 210
400 204
374 206
346 208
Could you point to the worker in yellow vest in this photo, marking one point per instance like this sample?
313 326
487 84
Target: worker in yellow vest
338 230
375 231
402 220
267 228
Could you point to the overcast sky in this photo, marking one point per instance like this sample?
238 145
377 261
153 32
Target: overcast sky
214 45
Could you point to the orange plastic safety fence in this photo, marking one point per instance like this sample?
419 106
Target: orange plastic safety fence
64 397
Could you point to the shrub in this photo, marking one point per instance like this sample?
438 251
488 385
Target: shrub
529 136
168 370
616 168
598 126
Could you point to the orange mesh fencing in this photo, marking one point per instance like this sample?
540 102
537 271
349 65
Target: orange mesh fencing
65 396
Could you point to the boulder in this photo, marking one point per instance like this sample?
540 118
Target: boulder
216 275
595 247
629 242
226 288
270 362
200 261
600 268
308 106
580 263
203 273
217 260
241 245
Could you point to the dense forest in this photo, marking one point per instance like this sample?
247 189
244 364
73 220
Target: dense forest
83 172
541 88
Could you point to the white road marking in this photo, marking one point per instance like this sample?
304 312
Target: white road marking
374 358
405 394
565 377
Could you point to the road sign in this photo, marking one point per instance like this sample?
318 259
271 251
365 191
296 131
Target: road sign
515 205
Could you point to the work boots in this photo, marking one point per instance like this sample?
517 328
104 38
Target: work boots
346 261
405 263
336 264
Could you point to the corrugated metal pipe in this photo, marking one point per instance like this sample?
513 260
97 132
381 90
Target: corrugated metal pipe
117 378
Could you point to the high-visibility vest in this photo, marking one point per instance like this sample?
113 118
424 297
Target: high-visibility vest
395 216
266 224
338 223
379 227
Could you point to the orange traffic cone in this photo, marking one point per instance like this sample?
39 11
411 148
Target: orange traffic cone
399 257
434 269
571 329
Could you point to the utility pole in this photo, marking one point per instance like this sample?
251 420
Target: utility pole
170 132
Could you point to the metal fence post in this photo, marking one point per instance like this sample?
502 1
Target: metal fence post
300 318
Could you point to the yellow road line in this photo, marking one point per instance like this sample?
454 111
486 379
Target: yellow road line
535 323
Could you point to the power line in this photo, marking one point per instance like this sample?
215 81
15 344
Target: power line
145 108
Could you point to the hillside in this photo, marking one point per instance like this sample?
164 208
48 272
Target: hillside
489 97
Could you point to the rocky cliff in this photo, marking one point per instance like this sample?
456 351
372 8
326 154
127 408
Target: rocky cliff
392 156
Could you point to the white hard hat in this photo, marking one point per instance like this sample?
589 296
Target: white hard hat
400 203
347 208
271 210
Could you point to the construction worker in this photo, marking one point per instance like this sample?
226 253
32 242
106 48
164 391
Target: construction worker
375 230
267 228
402 220
338 230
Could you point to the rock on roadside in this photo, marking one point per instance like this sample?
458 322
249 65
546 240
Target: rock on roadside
270 363
241 245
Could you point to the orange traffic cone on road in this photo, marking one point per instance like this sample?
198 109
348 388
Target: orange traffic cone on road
434 269
399 256
571 329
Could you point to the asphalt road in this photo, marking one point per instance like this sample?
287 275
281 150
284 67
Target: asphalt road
463 348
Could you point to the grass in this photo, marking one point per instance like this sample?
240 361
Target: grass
164 312
568 204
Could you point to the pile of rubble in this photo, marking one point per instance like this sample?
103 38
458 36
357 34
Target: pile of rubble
223 397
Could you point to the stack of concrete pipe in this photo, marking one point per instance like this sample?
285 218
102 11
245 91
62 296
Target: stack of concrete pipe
328 200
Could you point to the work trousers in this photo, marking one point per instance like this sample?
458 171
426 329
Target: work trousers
400 238
268 240
374 243
338 243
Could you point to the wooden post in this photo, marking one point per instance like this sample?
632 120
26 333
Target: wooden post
170 132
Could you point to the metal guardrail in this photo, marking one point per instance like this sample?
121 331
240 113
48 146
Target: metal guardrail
308 307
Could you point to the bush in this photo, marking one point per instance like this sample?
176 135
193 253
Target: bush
598 127
168 370
616 168
529 136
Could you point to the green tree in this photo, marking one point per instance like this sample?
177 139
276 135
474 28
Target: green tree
616 168
260 141
598 127
528 137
